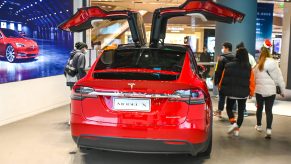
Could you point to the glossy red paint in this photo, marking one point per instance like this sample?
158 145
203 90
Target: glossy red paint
169 119
85 14
205 6
23 48
178 114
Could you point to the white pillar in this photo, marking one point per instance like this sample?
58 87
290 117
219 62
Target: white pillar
78 37
82 36
285 62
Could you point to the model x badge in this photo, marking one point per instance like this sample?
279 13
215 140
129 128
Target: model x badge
131 85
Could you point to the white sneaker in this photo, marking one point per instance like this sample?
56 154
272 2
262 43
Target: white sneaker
236 132
269 133
259 128
232 128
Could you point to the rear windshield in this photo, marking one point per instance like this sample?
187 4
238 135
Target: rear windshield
140 64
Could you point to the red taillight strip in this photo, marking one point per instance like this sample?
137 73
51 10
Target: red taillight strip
134 95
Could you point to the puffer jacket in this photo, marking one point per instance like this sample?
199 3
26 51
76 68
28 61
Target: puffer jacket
237 81
222 61
265 83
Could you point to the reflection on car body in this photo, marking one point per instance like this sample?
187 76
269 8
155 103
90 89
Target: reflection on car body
145 97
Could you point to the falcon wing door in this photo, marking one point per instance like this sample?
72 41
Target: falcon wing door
84 19
205 9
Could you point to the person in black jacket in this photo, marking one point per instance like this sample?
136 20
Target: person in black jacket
205 58
237 83
225 58
77 62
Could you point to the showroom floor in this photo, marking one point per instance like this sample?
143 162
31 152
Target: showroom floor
45 138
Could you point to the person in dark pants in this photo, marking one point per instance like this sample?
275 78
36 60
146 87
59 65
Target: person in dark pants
225 58
237 83
267 75
205 57
76 62
253 63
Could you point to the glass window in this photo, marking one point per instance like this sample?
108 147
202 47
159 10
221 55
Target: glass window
140 64
11 33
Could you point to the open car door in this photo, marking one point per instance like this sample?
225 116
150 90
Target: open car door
205 9
85 18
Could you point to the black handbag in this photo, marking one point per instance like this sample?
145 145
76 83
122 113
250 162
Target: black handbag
70 70
278 89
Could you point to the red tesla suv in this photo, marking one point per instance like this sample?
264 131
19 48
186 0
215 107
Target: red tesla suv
142 97
14 46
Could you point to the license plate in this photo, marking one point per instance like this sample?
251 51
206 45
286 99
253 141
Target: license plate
132 104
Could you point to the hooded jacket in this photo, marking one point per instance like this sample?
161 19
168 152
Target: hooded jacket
77 60
266 83
237 80
222 61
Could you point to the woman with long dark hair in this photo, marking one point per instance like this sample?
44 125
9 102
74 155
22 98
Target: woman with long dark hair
268 78
237 84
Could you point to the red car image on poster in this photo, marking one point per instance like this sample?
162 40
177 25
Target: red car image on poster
14 46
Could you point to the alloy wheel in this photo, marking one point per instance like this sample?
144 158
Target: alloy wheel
10 54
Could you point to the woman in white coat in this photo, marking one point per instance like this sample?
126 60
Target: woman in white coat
267 76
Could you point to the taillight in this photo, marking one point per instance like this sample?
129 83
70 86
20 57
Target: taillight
80 93
195 96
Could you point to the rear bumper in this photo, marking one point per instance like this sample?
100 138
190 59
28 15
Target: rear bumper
185 138
139 145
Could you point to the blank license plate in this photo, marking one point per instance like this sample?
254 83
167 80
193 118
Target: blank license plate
130 104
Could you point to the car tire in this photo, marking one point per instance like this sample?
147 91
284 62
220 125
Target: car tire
207 152
10 54
84 149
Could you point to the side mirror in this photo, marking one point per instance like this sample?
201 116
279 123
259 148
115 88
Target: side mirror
201 70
